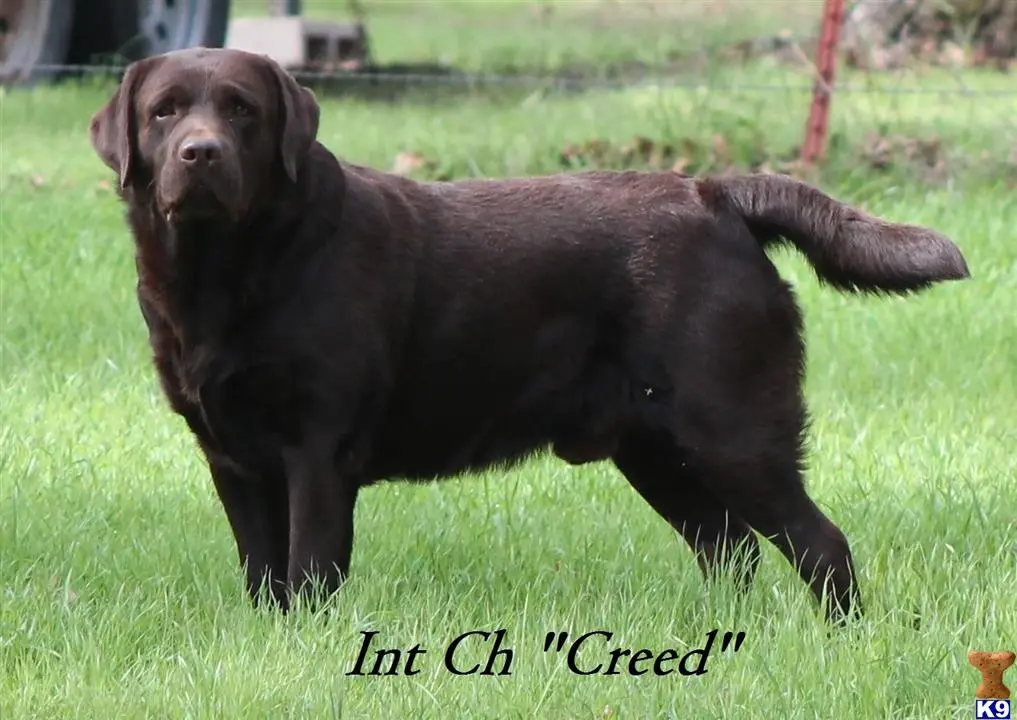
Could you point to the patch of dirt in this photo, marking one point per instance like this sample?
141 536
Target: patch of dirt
923 158
686 156
922 154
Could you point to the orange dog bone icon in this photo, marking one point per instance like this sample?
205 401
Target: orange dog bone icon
992 665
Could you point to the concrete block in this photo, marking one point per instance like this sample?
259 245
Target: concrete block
297 42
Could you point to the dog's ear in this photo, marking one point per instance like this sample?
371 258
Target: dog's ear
298 120
113 130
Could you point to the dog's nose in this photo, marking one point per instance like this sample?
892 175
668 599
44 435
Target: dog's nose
200 150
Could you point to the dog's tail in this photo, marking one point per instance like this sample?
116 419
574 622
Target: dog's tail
848 248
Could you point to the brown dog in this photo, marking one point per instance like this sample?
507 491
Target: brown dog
322 326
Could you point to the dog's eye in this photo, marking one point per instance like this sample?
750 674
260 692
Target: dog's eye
165 110
242 109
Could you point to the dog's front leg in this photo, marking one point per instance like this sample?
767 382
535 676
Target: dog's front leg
321 501
256 509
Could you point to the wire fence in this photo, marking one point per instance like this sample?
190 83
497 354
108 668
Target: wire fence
701 68
954 85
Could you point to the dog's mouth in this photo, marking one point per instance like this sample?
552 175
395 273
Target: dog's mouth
200 202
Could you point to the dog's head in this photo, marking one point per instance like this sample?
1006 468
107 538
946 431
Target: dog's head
204 132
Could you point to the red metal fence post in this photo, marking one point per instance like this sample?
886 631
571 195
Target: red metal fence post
814 147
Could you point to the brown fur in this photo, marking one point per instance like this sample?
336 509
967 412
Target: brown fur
322 326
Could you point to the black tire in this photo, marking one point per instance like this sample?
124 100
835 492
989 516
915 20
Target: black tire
176 24
105 33
127 30
34 37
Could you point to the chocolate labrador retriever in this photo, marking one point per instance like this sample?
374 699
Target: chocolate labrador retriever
322 326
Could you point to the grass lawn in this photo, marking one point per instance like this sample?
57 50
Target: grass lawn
119 591
549 35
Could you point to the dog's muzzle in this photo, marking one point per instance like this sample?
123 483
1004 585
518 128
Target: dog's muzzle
200 178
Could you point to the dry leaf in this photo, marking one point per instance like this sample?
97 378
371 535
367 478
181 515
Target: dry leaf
57 584
721 150
681 165
407 162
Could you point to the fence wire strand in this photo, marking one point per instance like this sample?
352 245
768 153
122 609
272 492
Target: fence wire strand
571 82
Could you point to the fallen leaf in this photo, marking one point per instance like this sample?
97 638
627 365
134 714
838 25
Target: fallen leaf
57 584
681 165
407 162
721 150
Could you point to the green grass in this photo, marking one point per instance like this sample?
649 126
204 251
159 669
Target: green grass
119 592
548 35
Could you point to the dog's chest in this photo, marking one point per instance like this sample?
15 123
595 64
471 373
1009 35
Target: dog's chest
197 367
248 405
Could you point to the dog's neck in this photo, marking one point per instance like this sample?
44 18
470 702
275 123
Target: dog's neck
204 272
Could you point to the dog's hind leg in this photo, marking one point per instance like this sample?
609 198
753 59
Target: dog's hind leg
654 466
748 450
733 405
769 494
